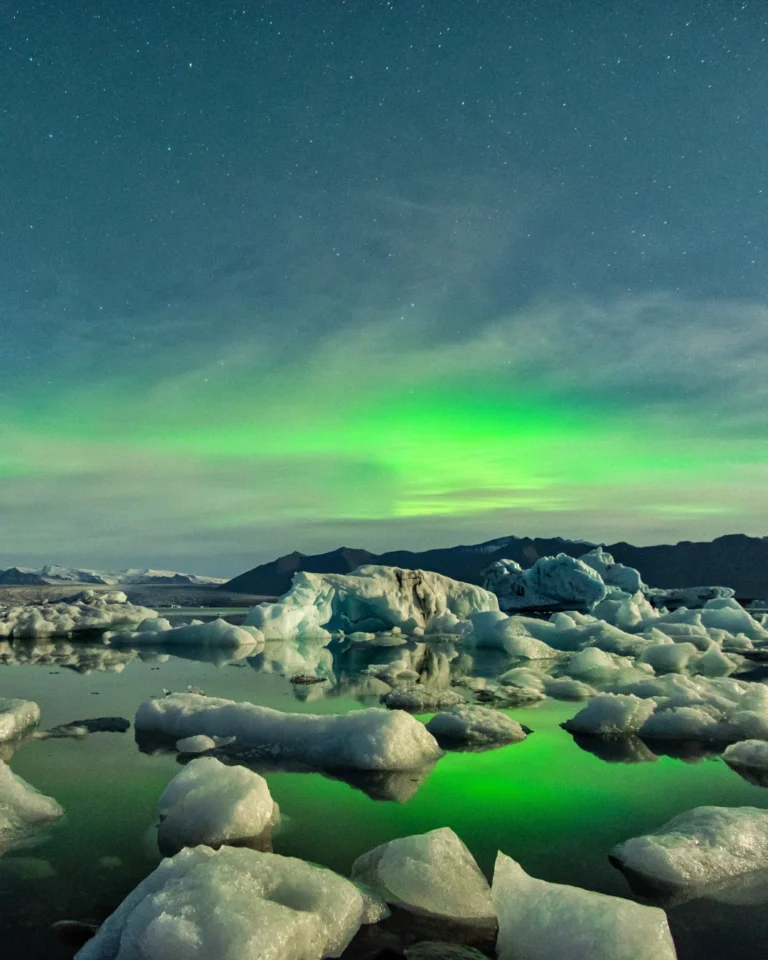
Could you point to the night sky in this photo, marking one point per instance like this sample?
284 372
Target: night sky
296 274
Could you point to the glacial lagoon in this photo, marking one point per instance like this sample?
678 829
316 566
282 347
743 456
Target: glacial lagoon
555 803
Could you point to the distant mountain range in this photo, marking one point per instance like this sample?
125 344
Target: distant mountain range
52 574
735 560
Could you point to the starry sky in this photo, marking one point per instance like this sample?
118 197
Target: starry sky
294 274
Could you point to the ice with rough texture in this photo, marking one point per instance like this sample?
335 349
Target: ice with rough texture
551 921
375 739
613 574
701 846
430 873
372 598
560 581
232 904
88 610
612 715
23 810
475 725
750 754
212 803
17 717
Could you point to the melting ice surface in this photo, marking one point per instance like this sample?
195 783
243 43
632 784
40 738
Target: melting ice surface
557 802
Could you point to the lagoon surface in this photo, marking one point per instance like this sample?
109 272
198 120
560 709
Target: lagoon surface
553 804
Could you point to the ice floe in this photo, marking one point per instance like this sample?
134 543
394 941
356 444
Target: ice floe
217 633
229 904
544 921
374 739
431 873
17 717
86 611
701 846
475 725
23 810
212 803
748 755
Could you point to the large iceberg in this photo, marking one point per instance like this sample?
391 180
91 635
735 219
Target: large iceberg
432 874
548 921
23 810
17 717
559 582
374 739
231 904
211 803
86 611
701 846
372 598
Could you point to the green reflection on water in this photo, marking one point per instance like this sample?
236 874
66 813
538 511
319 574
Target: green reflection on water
553 806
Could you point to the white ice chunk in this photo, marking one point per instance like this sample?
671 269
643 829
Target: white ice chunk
431 873
230 904
375 739
212 803
88 610
700 846
16 717
23 810
611 715
475 725
549 921
669 657
747 754
566 688
417 698
215 633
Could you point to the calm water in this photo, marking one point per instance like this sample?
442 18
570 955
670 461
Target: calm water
551 804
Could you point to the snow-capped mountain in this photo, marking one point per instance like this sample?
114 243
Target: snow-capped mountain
53 573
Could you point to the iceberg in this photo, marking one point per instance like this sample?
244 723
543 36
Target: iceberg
544 921
701 846
475 725
432 874
374 739
212 803
230 904
372 598
560 582
17 717
23 810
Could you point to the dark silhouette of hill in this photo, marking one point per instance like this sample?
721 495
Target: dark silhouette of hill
735 560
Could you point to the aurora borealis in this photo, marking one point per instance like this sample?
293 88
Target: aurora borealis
294 274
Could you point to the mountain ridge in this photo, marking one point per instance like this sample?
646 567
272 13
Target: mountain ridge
733 560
